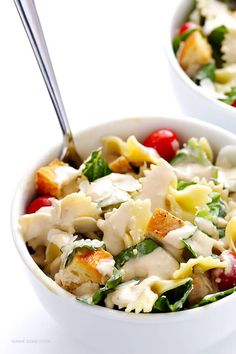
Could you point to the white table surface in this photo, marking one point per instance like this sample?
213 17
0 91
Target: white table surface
110 63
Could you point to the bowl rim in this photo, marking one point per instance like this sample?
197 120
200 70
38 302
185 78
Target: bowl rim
179 71
147 318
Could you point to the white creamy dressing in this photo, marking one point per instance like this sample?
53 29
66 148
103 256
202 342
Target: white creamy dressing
105 267
65 278
207 226
221 19
86 289
202 244
155 184
227 176
159 263
174 238
133 295
187 171
209 89
111 189
59 238
65 174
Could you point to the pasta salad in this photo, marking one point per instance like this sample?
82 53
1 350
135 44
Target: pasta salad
205 47
138 227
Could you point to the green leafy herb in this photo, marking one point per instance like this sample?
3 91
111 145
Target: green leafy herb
180 38
217 207
191 152
78 245
190 250
208 299
144 247
231 96
96 166
206 72
215 39
102 292
182 185
173 300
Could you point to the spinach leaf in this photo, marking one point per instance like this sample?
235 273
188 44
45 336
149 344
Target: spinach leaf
173 300
180 38
215 39
144 247
102 292
182 185
208 299
191 152
189 249
217 207
206 72
96 166
231 96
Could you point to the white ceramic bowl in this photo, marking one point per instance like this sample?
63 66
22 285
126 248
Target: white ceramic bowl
191 97
112 331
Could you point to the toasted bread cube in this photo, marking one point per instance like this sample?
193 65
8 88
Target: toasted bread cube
85 262
120 165
162 222
48 182
193 53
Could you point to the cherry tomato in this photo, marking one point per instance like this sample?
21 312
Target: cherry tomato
38 203
186 27
225 278
165 142
234 104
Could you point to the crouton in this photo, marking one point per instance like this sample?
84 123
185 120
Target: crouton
193 53
120 165
49 182
161 223
84 265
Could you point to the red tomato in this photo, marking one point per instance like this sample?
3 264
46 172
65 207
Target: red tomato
165 142
38 203
186 27
225 278
234 104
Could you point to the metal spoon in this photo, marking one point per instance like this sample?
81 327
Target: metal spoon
31 23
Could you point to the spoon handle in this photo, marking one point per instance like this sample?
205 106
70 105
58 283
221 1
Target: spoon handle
31 23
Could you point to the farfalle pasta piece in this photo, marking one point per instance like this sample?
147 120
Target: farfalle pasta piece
230 233
201 264
228 47
126 225
140 296
36 226
156 183
211 8
132 150
185 203
74 206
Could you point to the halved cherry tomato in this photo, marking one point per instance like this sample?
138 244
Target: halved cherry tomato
38 203
225 278
234 104
165 142
186 27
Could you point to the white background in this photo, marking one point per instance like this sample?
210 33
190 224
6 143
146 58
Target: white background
109 59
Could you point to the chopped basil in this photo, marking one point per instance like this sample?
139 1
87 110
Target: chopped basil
215 39
96 166
208 299
180 38
231 96
182 185
217 207
144 247
189 249
206 72
100 294
173 300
